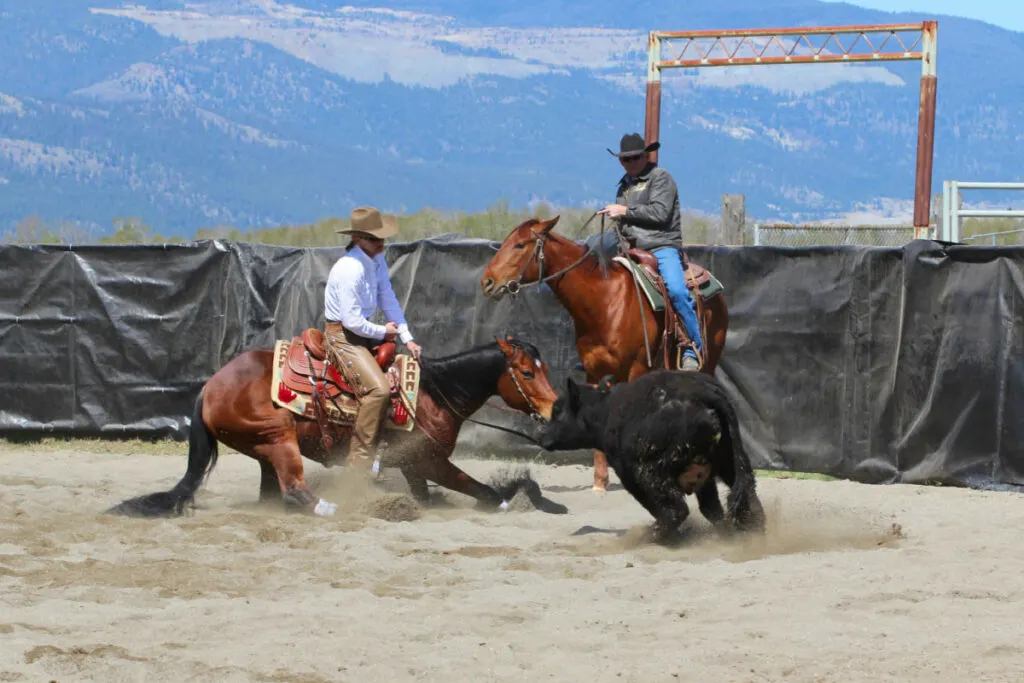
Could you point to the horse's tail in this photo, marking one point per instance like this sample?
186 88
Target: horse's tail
202 458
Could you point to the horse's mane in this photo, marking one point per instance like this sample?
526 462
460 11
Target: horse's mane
464 380
600 252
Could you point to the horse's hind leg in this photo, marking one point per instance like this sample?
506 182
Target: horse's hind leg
286 459
716 326
441 471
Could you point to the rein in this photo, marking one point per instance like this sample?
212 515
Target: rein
534 413
487 424
326 442
639 303
515 285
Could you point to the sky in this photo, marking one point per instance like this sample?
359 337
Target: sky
1008 14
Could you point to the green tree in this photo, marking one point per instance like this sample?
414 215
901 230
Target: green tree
130 230
493 223
34 230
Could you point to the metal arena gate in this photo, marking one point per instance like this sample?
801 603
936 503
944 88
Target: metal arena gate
759 47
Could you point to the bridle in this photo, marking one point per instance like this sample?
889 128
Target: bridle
516 284
534 412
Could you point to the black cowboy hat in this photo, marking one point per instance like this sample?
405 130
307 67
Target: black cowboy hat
632 145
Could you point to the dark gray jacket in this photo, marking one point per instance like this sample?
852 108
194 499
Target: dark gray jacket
652 219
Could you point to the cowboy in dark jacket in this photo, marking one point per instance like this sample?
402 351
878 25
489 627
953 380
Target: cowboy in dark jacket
647 204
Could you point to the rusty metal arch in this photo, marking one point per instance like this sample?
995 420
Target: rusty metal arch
750 47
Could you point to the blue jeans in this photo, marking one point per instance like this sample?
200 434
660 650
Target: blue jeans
670 265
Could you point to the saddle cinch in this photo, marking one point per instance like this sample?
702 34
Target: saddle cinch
702 285
307 384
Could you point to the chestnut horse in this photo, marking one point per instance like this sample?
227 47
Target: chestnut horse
603 302
234 407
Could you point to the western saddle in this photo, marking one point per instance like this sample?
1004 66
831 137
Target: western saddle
674 336
298 368
313 388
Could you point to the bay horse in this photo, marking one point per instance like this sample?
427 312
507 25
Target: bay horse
606 309
235 407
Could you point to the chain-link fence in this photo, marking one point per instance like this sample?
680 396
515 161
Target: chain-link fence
789 235
992 232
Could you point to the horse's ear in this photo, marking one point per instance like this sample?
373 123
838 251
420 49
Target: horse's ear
550 224
507 348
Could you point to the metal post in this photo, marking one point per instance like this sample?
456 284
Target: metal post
925 130
954 209
947 228
652 114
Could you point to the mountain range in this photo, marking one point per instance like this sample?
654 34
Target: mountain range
255 113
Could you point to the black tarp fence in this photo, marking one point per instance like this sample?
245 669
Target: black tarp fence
875 363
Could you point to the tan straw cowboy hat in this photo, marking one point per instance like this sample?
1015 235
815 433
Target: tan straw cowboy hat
369 221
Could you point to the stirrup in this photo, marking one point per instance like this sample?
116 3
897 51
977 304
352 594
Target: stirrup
685 361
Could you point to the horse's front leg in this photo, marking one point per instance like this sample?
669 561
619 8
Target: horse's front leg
441 471
600 472
600 460
417 483
603 366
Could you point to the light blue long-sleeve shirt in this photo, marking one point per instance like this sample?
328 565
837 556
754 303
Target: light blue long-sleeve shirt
356 286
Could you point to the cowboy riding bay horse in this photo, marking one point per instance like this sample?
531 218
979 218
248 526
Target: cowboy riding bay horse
616 327
279 405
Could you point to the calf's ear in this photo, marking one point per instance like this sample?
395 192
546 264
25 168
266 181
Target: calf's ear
572 395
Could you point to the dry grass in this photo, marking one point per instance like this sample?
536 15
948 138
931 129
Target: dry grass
113 446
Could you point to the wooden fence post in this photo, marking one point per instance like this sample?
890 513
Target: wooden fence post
734 219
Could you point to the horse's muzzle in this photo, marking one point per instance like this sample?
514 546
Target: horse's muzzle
491 290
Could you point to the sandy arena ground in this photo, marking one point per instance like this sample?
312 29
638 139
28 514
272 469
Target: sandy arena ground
852 583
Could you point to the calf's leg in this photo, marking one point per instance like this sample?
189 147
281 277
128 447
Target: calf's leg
661 496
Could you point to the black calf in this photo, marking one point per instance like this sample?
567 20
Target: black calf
666 434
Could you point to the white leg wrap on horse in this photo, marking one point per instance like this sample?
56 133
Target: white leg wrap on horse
504 506
325 509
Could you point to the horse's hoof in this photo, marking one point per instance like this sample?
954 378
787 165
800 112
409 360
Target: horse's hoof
504 506
600 490
325 509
